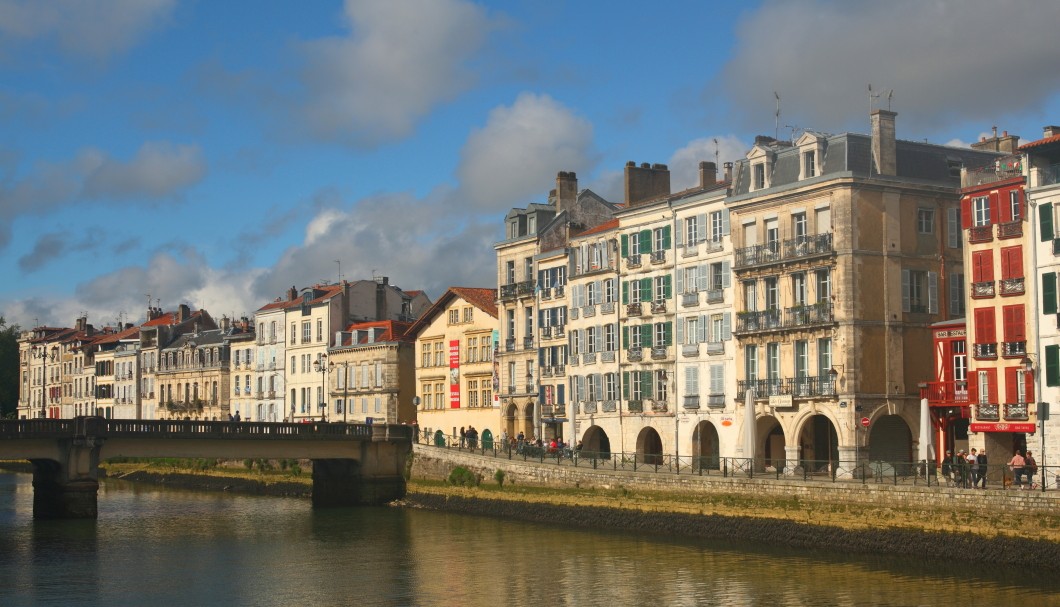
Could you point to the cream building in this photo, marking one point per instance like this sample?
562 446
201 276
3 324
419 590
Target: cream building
371 374
456 372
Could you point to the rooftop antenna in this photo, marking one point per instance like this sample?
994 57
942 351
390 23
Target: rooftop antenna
871 97
717 153
890 94
776 131
339 261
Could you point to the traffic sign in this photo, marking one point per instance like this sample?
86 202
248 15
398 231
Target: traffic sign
865 422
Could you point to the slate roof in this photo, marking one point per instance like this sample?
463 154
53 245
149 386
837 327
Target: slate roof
483 299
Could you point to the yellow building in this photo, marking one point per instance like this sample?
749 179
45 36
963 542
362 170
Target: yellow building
456 372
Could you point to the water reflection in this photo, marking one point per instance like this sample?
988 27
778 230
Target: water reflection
158 547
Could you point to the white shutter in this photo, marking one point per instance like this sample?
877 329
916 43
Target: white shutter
726 272
725 222
681 280
702 281
681 330
933 292
701 333
905 290
726 327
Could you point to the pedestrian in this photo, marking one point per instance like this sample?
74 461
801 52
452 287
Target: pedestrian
962 469
463 437
984 467
1016 465
1030 467
973 467
947 468
235 418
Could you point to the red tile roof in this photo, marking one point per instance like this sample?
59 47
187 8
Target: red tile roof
483 299
603 227
1040 142
393 330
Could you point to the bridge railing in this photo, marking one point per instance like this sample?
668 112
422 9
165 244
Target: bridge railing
132 428
43 428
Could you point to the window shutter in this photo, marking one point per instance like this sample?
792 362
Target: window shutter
1049 293
1028 386
645 241
905 291
973 386
668 291
681 330
645 289
1052 365
1045 221
668 333
725 222
681 281
726 326
984 326
625 385
995 213
666 238
680 235
953 227
1018 323
645 382
625 338
726 274
625 245
966 212
1012 262
702 228
701 330
625 292
991 375
933 292
599 338
1005 211
982 266
1011 379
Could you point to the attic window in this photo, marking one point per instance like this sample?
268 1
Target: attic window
306 298
809 164
759 175
531 224
954 165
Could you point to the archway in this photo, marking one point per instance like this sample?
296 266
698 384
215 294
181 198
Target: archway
819 446
595 443
528 420
649 447
439 439
891 442
706 452
509 419
769 453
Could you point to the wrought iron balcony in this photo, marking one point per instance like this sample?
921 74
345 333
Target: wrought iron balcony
714 246
799 387
271 394
546 371
528 343
509 345
259 395
609 406
690 299
658 406
689 250
553 411
573 360
589 358
983 289
633 261
558 331
1011 229
987 411
558 291
715 347
691 401
757 320
546 332
530 388
1011 286
635 355
715 295
633 309
588 311
589 407
658 257
658 306
635 406
981 233
574 313
946 393
792 249
607 307
1013 348
511 389
1017 412
658 352
984 350
716 401
517 289
758 254
546 293
690 350
559 370
607 357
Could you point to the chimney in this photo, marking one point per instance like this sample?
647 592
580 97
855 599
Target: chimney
708 174
728 171
1050 131
380 297
566 190
183 313
1006 143
646 182
82 323
225 324
883 146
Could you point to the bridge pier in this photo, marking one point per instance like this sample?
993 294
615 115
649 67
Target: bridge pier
68 488
341 482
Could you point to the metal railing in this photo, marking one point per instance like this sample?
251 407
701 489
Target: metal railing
791 249
795 386
942 476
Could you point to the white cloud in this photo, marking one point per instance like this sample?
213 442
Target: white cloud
684 164
399 61
520 150
946 61
82 28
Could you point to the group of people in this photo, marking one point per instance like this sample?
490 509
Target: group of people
468 437
969 469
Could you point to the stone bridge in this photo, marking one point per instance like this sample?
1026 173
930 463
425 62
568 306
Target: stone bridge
353 464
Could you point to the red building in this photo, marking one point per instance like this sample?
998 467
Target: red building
948 394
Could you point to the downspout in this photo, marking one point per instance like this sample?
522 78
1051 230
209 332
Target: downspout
1033 221
677 358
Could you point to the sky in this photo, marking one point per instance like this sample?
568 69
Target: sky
218 153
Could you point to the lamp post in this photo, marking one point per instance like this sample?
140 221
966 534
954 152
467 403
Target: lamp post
44 354
323 368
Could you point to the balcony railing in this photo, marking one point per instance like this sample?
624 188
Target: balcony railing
658 306
757 320
558 291
609 406
546 331
690 299
715 347
981 233
589 358
716 401
1017 412
1010 349
984 350
546 293
691 401
983 289
792 249
715 295
517 289
546 371
999 170
588 311
1045 175
658 406
799 387
690 350
558 331
511 389
634 355
607 307
658 352
714 246
589 407
559 370
1011 286
528 343
607 357
509 345
635 406
790 318
946 393
633 261
633 309
987 411
574 313
1011 229
658 257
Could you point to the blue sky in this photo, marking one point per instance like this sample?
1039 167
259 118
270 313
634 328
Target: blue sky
216 153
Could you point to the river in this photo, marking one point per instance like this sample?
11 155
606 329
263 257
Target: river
155 546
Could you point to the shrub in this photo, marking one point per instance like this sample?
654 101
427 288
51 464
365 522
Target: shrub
499 477
462 476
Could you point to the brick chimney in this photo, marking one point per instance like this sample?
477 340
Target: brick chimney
708 174
183 313
292 294
728 171
1050 131
884 155
381 283
646 182
1006 143
566 191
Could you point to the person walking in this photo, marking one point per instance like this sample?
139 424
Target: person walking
1030 467
973 468
983 468
1016 465
947 468
463 437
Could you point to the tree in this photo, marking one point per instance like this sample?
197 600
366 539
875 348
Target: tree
8 368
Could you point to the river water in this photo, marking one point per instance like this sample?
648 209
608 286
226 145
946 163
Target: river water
154 547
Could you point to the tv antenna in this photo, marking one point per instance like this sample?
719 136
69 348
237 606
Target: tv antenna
717 153
776 131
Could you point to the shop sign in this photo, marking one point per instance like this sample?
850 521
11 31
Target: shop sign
1024 428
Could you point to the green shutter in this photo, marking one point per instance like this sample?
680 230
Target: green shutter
625 245
1052 365
645 289
1045 220
1049 293
668 332
625 385
668 291
666 237
625 338
625 292
645 241
645 385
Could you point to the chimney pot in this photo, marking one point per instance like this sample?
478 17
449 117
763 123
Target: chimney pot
884 151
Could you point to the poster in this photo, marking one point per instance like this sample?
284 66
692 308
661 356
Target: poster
496 369
454 374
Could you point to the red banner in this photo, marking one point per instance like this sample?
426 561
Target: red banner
1025 428
454 374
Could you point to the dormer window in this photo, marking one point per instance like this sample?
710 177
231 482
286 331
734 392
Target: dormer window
513 229
759 171
809 164
531 224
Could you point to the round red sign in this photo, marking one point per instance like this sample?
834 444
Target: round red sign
865 422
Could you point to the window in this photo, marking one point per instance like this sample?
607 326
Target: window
801 358
661 239
529 324
454 317
953 228
799 226
661 331
984 387
772 294
1014 204
439 355
592 293
981 211
610 386
528 268
691 330
919 291
1012 262
294 332
593 339
925 221
609 338
798 289
661 287
661 385
635 337
759 175
824 285
487 350
692 231
960 361
809 164
772 235
824 357
609 290
425 355
472 392
531 224
773 361
320 330
635 391
509 272
719 225
307 332
751 362
468 314
472 350
511 324
750 295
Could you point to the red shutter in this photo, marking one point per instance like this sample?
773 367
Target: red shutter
1012 262
973 386
1005 209
995 208
991 375
984 326
1019 324
983 266
966 212
1011 379
1028 379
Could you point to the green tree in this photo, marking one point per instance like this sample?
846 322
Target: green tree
8 368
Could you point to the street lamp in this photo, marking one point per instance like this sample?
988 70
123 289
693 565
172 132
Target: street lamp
320 366
43 353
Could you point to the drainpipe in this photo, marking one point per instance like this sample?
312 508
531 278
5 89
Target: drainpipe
677 358
1032 220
